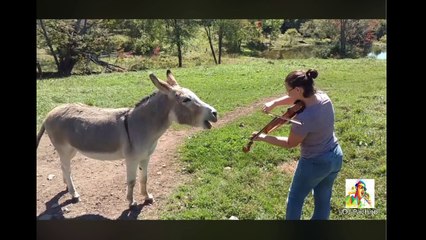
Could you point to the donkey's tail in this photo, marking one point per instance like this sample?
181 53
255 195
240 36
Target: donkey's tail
40 133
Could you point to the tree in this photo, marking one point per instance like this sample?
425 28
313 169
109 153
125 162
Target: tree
351 37
319 29
225 30
343 23
234 32
231 33
49 43
70 41
380 28
291 36
271 28
291 23
141 36
208 25
179 30
359 36
221 26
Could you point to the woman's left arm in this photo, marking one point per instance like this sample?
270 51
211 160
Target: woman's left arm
291 141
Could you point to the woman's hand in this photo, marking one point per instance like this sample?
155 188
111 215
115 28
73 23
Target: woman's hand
258 138
285 100
267 107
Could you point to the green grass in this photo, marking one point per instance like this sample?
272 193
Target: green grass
253 187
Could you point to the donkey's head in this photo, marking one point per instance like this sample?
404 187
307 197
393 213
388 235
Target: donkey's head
187 108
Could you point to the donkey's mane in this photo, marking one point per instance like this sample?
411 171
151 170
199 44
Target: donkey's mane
145 99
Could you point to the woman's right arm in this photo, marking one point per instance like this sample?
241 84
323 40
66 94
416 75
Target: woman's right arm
286 100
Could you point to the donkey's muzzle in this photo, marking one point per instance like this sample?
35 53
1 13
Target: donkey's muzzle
213 116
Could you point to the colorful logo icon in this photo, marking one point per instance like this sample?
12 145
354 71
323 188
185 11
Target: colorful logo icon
359 193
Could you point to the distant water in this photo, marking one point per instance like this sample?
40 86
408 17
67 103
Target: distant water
381 56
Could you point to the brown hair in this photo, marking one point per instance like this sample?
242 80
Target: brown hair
304 80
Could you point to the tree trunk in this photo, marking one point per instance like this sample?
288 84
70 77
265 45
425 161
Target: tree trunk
39 72
343 37
210 42
81 30
179 54
66 65
220 44
49 43
178 41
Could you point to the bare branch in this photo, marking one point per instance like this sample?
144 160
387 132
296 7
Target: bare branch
49 43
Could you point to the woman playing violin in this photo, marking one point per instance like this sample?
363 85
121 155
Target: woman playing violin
321 155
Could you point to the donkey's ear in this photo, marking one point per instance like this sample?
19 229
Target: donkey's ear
170 78
160 84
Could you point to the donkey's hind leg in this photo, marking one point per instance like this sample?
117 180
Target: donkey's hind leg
66 153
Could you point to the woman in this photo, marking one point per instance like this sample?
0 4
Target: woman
321 155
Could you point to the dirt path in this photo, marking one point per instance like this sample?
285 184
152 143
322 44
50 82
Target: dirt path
102 184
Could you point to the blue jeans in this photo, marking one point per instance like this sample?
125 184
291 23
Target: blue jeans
316 173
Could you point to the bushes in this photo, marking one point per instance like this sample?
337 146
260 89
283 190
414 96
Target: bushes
122 42
257 45
322 51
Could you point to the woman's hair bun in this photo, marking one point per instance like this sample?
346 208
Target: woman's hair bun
312 73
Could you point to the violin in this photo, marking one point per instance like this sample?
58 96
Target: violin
278 121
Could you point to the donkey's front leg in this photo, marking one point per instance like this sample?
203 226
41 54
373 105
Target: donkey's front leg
143 166
131 166
65 155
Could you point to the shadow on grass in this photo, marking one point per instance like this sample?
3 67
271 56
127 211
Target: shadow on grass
50 75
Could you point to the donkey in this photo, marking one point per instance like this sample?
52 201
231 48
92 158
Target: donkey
130 133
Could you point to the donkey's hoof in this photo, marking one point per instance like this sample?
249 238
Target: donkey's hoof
75 199
133 204
149 199
75 195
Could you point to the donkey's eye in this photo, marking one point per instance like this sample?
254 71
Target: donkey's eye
186 99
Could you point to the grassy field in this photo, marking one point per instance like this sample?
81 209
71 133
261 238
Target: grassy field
227 182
